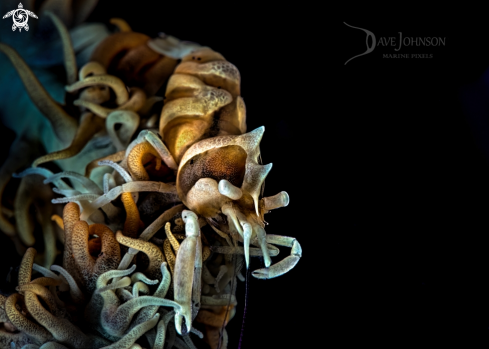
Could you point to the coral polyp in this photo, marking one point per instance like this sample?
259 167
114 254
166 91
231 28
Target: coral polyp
146 186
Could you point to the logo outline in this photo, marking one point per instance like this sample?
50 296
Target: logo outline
20 17
369 49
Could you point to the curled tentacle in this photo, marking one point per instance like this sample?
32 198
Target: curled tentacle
88 184
170 242
116 157
79 197
44 293
173 241
113 82
90 124
108 259
117 320
122 172
124 282
108 183
149 311
46 281
136 277
39 333
44 173
128 340
129 188
57 219
138 157
121 24
139 287
91 68
134 103
131 225
56 280
149 232
104 278
158 145
160 222
47 273
61 329
97 94
75 292
64 126
156 257
169 255
129 122
104 294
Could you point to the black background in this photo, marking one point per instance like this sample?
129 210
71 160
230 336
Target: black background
411 257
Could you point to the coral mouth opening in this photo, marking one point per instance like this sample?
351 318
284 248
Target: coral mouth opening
220 163
94 246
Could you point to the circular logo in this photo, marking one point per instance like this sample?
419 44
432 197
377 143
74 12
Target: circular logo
20 17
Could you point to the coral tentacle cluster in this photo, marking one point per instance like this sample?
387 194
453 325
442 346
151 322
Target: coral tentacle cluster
122 170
